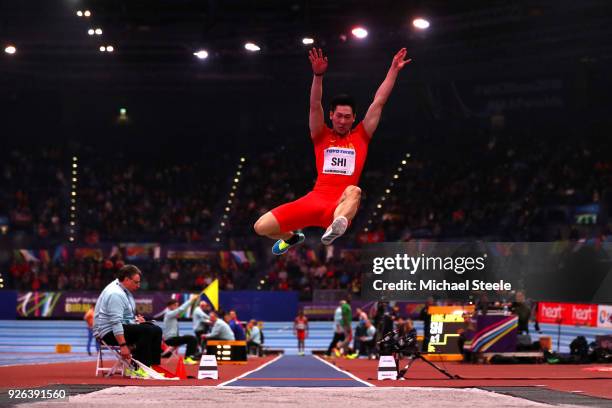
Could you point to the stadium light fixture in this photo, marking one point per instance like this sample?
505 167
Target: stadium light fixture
201 54
359 32
420 23
252 47
307 41
10 49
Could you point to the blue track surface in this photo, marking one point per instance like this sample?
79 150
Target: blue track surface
297 371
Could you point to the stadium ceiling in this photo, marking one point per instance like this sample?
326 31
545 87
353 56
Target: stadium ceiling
161 36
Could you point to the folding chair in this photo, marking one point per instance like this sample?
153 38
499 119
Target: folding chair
118 367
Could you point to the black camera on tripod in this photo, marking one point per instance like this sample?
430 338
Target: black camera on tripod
404 343
398 342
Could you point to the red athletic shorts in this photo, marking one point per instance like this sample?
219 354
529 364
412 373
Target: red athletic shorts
315 209
301 335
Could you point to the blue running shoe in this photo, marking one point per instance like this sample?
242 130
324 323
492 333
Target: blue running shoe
280 247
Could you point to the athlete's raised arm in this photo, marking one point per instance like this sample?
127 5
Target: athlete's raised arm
319 66
372 117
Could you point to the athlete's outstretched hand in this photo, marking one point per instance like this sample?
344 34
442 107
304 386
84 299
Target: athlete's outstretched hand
399 61
318 61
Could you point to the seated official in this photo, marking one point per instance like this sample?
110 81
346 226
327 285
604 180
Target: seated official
171 329
366 341
116 323
201 320
220 330
254 337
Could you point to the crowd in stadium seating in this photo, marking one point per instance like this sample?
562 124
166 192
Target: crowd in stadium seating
489 184
33 193
131 199
89 274
307 269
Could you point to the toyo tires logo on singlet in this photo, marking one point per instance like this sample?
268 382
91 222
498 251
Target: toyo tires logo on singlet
338 160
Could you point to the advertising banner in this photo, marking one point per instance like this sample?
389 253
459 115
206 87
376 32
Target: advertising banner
604 316
567 313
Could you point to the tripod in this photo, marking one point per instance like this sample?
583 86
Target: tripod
414 355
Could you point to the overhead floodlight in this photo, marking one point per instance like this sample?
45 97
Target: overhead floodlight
110 48
91 31
307 41
80 13
201 54
87 13
251 47
102 48
98 31
420 23
10 49
359 32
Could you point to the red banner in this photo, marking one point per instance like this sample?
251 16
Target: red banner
573 314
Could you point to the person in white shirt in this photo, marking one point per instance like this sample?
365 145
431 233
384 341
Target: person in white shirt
171 329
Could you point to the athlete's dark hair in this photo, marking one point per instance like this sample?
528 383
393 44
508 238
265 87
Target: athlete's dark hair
172 302
342 99
128 271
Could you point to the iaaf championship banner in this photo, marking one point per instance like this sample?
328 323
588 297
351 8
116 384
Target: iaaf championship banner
577 272
74 304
